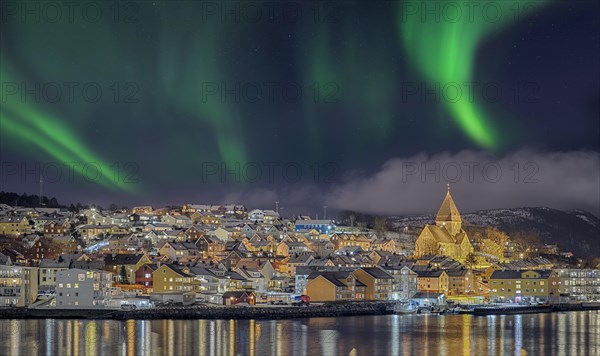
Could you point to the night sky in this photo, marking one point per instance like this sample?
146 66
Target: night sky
308 103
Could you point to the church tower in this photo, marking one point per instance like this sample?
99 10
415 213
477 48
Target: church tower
448 215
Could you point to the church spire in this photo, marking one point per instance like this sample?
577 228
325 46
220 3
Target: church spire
448 211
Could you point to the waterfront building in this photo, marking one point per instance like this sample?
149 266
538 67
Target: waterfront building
47 273
379 283
580 284
460 281
334 286
212 280
79 288
123 265
432 281
529 285
143 276
428 299
254 277
235 297
405 281
171 277
18 285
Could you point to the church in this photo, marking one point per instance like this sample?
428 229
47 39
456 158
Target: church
446 237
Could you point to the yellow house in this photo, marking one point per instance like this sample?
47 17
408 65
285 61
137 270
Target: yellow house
379 283
530 285
12 226
174 278
95 230
460 281
446 237
387 245
343 240
332 286
282 250
263 246
432 281
210 220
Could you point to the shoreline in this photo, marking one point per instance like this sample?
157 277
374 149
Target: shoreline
272 313
204 312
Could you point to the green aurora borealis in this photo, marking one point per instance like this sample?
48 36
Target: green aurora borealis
444 50
350 62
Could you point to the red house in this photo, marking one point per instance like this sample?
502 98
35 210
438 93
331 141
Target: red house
232 298
143 276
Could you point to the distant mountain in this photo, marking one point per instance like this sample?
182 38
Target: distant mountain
577 230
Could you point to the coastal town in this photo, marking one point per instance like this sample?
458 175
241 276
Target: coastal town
227 255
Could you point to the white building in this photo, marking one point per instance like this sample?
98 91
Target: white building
580 284
78 288
256 215
405 282
18 285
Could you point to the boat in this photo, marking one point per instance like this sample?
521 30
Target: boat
450 311
514 309
405 308
424 311
591 305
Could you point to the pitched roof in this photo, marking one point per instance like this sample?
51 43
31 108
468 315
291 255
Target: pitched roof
13 254
54 263
88 265
349 250
507 274
301 258
440 234
335 277
457 272
448 211
177 269
430 274
5 260
427 295
123 259
182 246
314 222
201 271
235 275
236 294
378 273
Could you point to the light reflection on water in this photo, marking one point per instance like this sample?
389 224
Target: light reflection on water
558 333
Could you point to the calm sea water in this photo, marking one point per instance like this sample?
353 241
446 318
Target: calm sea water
569 333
